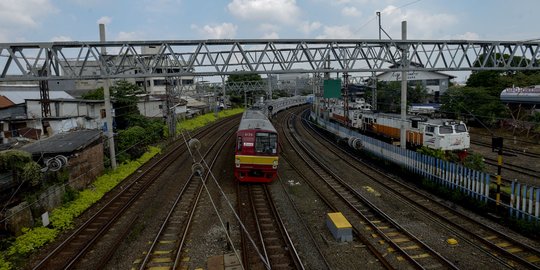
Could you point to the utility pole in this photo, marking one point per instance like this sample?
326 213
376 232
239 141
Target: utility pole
269 87
224 92
404 69
170 114
107 97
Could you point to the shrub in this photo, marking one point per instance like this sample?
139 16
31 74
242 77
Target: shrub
32 239
203 120
62 217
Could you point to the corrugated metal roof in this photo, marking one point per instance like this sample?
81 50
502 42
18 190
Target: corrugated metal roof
17 94
63 142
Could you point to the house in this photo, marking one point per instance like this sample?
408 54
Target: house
435 82
22 116
83 150
153 106
79 153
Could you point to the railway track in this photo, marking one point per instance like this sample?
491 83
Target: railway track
504 248
508 150
514 168
167 248
69 252
385 235
268 245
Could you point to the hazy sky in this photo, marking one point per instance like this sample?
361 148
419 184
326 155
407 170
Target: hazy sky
51 20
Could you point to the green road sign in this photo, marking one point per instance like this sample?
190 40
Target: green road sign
332 88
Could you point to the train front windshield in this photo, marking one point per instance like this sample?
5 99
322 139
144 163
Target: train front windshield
266 143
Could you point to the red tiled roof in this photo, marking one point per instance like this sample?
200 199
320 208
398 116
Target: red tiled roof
5 102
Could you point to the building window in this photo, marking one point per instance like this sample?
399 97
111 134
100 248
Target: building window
432 82
159 82
103 113
187 81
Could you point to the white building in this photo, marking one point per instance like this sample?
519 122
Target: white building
152 86
22 114
435 82
293 82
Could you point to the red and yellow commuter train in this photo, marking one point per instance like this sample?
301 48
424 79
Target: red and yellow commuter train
256 152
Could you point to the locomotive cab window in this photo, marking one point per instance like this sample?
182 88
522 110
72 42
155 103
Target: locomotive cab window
266 143
461 128
445 130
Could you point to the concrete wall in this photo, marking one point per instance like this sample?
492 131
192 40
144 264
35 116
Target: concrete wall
20 217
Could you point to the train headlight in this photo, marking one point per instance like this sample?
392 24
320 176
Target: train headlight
274 164
237 163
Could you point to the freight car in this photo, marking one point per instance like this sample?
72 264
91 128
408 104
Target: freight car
444 134
256 151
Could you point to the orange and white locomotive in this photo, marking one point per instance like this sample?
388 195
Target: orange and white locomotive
256 153
444 134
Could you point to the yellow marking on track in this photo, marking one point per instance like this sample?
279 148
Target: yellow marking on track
514 250
367 228
376 221
137 261
503 244
161 260
381 242
159 252
391 250
533 259
382 227
167 241
392 234
410 247
339 220
400 240
374 235
185 259
159 268
420 256
399 258
491 237
372 190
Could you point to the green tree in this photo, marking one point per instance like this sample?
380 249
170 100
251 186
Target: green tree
124 95
389 95
473 103
22 166
94 94
132 143
238 99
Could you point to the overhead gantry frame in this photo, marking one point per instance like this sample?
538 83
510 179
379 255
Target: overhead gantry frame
71 60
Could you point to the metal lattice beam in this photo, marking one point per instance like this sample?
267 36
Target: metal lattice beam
72 60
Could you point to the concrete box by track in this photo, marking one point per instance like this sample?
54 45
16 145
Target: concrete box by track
339 226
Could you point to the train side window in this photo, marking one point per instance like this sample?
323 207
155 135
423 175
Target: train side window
239 144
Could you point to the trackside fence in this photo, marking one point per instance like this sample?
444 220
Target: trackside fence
524 202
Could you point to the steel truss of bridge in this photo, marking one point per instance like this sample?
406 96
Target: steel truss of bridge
71 60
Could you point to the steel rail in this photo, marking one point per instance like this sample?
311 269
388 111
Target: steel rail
444 213
317 162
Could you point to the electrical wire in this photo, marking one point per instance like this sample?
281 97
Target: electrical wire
266 263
